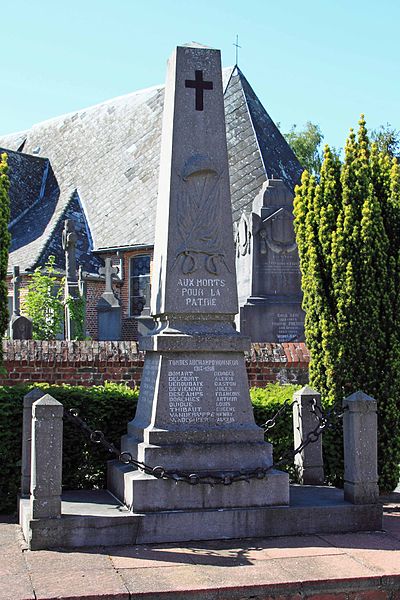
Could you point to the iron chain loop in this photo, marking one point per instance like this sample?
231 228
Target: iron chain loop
213 478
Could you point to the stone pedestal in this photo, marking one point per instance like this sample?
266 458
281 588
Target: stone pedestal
309 461
360 426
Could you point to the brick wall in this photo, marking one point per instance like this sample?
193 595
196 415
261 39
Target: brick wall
93 363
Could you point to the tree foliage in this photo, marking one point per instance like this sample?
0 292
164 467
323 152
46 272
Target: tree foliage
306 144
348 233
43 302
387 139
5 240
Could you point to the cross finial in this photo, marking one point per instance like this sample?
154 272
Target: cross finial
236 44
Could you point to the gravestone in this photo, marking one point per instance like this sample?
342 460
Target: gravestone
267 260
20 326
108 307
194 414
69 239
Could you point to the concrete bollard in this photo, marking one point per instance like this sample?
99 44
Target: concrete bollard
360 425
309 461
29 399
46 458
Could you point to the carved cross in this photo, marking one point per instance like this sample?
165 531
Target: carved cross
199 85
69 238
108 271
16 280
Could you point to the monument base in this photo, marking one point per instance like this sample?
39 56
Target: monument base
145 493
96 518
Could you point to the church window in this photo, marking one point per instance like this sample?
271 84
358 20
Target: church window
139 284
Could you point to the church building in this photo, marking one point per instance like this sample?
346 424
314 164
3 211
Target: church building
99 168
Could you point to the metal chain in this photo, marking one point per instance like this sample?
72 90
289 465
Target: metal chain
211 478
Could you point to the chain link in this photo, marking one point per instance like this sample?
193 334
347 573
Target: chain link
324 421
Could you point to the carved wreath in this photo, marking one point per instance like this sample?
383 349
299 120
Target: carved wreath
199 219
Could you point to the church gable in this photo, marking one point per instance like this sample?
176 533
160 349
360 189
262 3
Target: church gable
84 245
279 159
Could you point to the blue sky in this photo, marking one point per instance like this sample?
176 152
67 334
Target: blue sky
325 61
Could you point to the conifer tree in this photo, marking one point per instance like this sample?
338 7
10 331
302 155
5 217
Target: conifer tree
348 232
5 240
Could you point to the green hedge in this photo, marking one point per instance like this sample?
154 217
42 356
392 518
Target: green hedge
109 408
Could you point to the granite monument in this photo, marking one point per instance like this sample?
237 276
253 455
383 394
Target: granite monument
194 414
267 260
108 307
20 326
69 239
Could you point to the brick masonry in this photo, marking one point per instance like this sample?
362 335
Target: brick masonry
92 363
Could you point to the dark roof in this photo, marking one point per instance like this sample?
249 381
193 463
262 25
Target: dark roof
109 155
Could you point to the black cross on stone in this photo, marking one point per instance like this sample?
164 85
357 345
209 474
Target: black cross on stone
199 85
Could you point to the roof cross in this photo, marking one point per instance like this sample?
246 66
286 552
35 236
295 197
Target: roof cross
236 44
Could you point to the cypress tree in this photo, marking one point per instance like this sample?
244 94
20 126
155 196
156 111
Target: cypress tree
348 231
5 240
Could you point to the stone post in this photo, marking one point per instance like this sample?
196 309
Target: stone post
29 399
360 449
309 461
46 468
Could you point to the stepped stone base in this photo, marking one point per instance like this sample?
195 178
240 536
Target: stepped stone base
145 493
95 518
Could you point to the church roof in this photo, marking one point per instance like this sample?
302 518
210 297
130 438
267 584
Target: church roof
108 156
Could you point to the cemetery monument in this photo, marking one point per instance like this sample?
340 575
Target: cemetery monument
205 471
69 239
268 268
20 326
194 414
109 307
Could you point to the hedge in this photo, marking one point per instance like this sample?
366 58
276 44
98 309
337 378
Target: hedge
109 408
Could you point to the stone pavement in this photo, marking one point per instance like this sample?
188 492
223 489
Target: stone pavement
363 566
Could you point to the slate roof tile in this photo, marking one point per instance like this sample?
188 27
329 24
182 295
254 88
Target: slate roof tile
109 153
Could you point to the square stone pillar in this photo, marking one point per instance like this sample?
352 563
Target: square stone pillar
360 449
29 399
309 461
46 459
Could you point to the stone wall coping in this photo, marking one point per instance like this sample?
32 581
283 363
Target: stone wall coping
289 354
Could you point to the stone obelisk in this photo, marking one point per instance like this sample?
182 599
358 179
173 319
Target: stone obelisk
194 413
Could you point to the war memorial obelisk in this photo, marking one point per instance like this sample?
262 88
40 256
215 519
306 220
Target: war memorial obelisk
194 414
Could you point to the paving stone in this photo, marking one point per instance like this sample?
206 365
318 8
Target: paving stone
361 540
67 561
391 524
94 584
12 564
16 587
145 557
8 535
169 579
340 568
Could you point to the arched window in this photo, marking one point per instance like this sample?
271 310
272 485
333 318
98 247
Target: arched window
139 284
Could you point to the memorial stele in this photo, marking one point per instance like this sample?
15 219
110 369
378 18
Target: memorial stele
194 414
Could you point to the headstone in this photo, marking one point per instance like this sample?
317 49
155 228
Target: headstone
267 260
20 326
194 413
69 239
108 307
